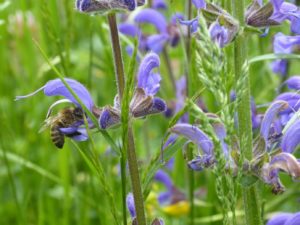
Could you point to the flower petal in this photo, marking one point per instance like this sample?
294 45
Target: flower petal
164 178
56 87
291 138
146 79
293 220
196 135
109 117
293 82
153 17
269 117
159 4
199 4
129 29
279 219
130 205
157 42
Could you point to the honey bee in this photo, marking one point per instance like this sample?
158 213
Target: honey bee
65 118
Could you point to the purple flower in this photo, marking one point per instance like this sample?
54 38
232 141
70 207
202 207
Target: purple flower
291 138
286 11
293 82
153 17
203 142
283 44
130 205
102 6
269 118
143 102
159 4
219 34
167 32
280 219
281 162
164 178
57 88
148 80
199 4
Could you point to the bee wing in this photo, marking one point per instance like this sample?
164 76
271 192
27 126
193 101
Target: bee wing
47 124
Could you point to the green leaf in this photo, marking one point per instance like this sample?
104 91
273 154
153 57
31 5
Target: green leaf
273 57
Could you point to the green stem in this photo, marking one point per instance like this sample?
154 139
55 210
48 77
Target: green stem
135 179
251 203
123 180
119 68
131 154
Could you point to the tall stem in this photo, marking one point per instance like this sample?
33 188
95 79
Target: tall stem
135 179
251 203
119 68
131 155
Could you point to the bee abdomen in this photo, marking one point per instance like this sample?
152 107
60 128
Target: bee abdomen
57 136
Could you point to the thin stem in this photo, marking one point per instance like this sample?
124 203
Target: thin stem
135 179
119 68
123 180
251 203
131 154
169 67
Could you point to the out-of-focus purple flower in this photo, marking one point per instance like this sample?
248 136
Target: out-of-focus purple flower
164 178
283 44
129 29
166 32
291 138
279 219
219 34
199 4
130 205
293 82
286 11
159 4
57 88
153 17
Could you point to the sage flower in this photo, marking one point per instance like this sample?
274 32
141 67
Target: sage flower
283 44
104 6
143 102
57 88
198 137
273 13
286 11
281 162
